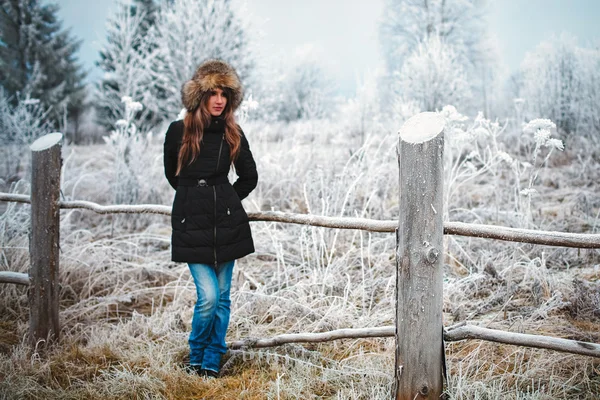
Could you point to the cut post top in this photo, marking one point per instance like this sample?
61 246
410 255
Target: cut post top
422 127
46 141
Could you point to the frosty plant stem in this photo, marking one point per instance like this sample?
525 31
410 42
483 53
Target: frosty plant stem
540 128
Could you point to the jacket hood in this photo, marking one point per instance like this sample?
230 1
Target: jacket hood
210 75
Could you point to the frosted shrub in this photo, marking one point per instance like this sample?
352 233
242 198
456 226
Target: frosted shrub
433 75
403 110
358 115
134 158
471 152
302 88
248 106
19 127
476 152
554 85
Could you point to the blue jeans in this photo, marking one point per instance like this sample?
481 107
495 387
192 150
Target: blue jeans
211 313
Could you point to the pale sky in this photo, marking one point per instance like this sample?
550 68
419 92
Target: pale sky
346 31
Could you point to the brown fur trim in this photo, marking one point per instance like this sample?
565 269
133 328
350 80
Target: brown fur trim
210 75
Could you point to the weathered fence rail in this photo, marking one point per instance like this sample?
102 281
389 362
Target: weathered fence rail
18 278
419 331
549 238
452 334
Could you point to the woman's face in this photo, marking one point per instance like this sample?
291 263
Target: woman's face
216 102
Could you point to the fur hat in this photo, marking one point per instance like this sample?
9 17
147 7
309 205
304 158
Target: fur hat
210 75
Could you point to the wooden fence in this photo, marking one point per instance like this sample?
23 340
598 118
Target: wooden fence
418 330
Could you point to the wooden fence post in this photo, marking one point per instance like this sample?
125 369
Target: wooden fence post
44 238
419 261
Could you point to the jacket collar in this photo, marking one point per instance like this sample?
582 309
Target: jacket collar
217 124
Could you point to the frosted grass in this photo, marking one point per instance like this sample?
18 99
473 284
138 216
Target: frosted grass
126 308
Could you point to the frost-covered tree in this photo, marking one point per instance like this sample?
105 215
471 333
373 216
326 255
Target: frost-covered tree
301 89
38 58
358 114
407 23
126 61
552 84
188 32
459 24
589 95
433 76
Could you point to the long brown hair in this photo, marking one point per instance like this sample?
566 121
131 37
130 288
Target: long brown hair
194 123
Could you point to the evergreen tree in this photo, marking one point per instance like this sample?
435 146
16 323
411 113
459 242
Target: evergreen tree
125 61
37 59
147 8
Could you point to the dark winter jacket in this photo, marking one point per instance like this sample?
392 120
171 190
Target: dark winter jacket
209 223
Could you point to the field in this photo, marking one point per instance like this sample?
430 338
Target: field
126 308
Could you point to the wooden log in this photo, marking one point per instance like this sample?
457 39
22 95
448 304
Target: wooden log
44 238
18 278
419 284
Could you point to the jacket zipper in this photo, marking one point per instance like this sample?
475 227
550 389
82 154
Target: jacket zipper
215 201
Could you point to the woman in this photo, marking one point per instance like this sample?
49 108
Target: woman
210 226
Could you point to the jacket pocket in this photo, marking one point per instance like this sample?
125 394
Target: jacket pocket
178 223
178 212
235 211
